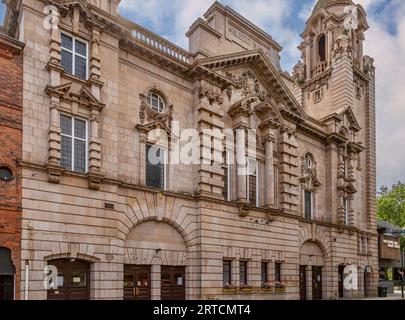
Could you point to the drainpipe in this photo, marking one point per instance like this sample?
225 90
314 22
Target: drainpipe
27 266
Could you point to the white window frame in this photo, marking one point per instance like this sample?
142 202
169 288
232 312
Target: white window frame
160 100
74 53
257 180
165 162
346 206
312 203
72 138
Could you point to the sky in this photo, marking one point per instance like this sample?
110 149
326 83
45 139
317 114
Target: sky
285 20
2 12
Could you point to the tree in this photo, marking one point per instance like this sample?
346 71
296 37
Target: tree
391 206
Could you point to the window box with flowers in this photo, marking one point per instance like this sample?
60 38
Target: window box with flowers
244 288
268 287
280 286
229 289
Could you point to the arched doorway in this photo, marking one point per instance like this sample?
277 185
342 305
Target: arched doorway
73 280
7 275
311 271
155 263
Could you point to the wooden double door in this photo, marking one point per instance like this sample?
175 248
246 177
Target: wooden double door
317 293
173 283
73 280
137 282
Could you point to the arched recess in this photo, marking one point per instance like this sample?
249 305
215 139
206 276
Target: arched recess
312 253
153 242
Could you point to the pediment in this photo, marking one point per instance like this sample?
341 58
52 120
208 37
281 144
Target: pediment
252 73
351 119
65 7
83 97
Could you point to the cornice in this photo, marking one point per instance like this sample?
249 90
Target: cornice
203 24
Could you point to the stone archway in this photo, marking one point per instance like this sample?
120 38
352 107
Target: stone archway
155 258
312 263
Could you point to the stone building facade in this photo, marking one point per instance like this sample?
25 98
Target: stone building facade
96 86
11 92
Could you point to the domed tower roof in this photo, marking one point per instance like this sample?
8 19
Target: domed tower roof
327 3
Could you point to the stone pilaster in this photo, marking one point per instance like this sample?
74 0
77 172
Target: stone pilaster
289 194
95 176
210 125
371 144
269 142
55 69
341 86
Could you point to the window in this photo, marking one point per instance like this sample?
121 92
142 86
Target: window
265 274
155 167
346 206
156 102
309 205
74 56
243 273
74 144
277 272
227 272
227 176
308 161
317 95
6 174
253 182
322 48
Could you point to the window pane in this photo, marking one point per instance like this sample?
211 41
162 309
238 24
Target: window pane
154 167
66 153
66 125
308 205
67 62
81 67
227 272
278 272
80 129
80 156
67 42
78 280
264 272
80 48
243 272
252 190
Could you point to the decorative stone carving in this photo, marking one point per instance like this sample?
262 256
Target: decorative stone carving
211 96
248 83
150 119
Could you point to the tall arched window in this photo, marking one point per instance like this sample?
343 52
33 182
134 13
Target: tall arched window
322 48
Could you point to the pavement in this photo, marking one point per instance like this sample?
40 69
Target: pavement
397 295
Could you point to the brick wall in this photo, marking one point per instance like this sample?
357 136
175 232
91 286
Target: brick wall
11 85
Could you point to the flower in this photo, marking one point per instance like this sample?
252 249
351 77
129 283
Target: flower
280 284
268 285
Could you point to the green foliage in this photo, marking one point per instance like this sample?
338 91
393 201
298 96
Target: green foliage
391 206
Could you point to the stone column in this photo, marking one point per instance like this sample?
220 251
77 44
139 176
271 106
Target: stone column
142 157
361 39
156 282
308 57
241 165
329 36
95 65
269 171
